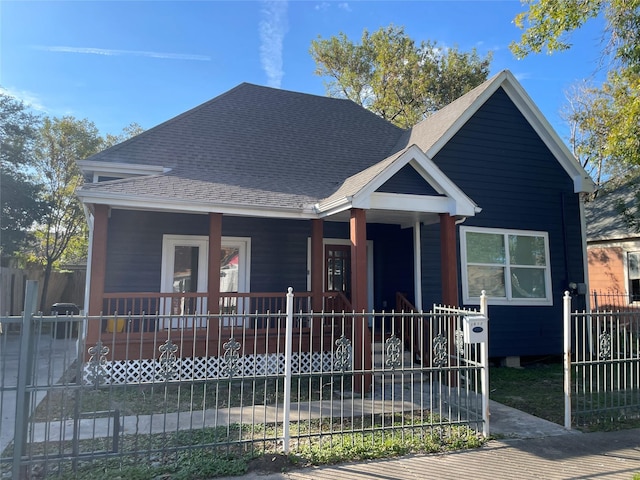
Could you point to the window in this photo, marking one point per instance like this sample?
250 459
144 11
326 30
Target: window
634 276
511 266
185 268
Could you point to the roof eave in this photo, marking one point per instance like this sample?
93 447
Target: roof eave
190 206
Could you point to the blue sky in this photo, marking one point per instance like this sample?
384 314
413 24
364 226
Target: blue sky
119 62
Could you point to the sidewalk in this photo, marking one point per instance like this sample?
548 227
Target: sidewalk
528 448
53 357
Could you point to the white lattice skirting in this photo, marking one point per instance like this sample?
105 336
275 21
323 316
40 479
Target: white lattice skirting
204 368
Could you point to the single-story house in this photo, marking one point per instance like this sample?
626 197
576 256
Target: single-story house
613 247
261 189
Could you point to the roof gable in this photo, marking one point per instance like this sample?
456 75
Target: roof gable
361 190
407 181
433 133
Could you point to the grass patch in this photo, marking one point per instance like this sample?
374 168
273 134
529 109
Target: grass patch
536 389
170 456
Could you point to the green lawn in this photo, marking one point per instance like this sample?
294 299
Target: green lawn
535 389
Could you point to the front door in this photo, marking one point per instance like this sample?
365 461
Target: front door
337 261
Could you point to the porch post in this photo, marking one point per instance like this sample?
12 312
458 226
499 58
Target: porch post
317 263
362 335
417 266
98 271
213 274
449 260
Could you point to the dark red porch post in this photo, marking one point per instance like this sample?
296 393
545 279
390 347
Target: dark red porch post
98 271
362 340
449 260
449 266
213 277
317 264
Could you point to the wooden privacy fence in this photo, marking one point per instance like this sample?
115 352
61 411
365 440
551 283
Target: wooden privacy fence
66 286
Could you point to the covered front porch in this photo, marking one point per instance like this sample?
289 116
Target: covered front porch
142 314
371 227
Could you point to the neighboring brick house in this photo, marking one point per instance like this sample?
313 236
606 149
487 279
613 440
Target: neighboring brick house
613 246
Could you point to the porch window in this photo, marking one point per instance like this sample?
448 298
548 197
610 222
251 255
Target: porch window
185 268
512 266
634 276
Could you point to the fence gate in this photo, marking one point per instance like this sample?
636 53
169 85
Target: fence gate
165 390
601 366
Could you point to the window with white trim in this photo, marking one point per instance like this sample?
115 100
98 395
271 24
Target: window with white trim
634 275
511 266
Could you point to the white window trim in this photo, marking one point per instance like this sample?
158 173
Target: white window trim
627 274
169 242
548 300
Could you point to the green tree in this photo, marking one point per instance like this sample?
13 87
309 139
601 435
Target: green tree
19 190
60 143
391 75
129 131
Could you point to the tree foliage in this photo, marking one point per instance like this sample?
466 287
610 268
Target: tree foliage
19 190
391 75
129 131
60 143
548 24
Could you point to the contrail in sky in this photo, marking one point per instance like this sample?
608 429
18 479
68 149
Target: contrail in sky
112 52
273 27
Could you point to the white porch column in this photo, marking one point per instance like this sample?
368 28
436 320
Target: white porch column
417 266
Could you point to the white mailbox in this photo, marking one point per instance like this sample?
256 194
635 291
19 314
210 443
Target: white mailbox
475 328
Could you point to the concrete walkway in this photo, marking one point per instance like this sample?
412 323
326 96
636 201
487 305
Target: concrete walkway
54 356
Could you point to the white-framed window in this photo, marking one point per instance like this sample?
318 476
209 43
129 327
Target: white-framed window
634 275
511 266
185 262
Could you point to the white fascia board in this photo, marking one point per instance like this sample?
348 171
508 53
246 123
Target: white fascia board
420 203
168 205
119 168
405 202
457 202
338 206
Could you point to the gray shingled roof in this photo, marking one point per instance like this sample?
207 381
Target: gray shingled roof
426 133
603 219
254 145
267 148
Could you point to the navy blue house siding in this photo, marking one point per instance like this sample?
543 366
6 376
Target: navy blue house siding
134 249
499 161
278 251
496 158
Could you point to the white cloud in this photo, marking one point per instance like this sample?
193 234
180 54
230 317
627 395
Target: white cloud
113 52
322 6
344 6
29 99
273 28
